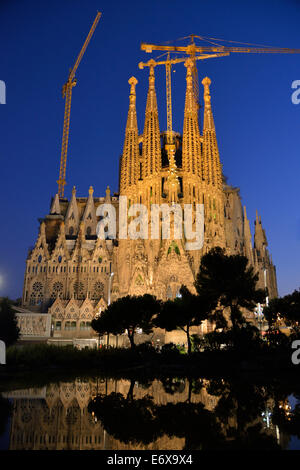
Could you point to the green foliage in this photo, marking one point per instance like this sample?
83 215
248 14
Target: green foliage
44 355
9 331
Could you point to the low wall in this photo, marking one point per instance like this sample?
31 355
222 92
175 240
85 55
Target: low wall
34 325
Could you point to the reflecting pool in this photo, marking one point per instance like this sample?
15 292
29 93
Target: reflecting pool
170 413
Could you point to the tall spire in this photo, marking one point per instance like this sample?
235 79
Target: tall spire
212 171
248 239
151 135
191 148
260 239
130 155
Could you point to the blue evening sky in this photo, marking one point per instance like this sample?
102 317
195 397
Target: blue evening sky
257 124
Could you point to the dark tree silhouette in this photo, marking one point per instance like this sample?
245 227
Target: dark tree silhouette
9 330
227 282
183 312
287 308
6 409
127 314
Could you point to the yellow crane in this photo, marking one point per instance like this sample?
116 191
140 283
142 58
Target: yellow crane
192 50
168 65
172 180
67 94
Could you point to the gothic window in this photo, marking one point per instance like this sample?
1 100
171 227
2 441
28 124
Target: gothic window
57 290
70 325
71 231
85 325
98 290
36 296
40 258
89 231
59 259
79 289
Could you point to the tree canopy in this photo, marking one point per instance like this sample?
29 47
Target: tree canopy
287 308
227 281
183 312
9 330
127 314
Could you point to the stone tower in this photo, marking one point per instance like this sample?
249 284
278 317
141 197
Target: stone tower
74 274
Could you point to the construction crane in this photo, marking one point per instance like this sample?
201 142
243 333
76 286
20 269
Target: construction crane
168 65
192 50
67 95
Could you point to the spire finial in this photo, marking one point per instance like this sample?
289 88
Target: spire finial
91 190
189 79
74 191
152 64
256 217
132 82
107 194
206 84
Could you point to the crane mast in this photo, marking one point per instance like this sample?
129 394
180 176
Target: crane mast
67 95
168 65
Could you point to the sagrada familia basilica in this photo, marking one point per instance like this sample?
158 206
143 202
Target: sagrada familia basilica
73 274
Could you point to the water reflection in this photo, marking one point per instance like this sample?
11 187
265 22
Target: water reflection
173 413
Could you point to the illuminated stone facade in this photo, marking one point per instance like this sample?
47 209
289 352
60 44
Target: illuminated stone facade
75 274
